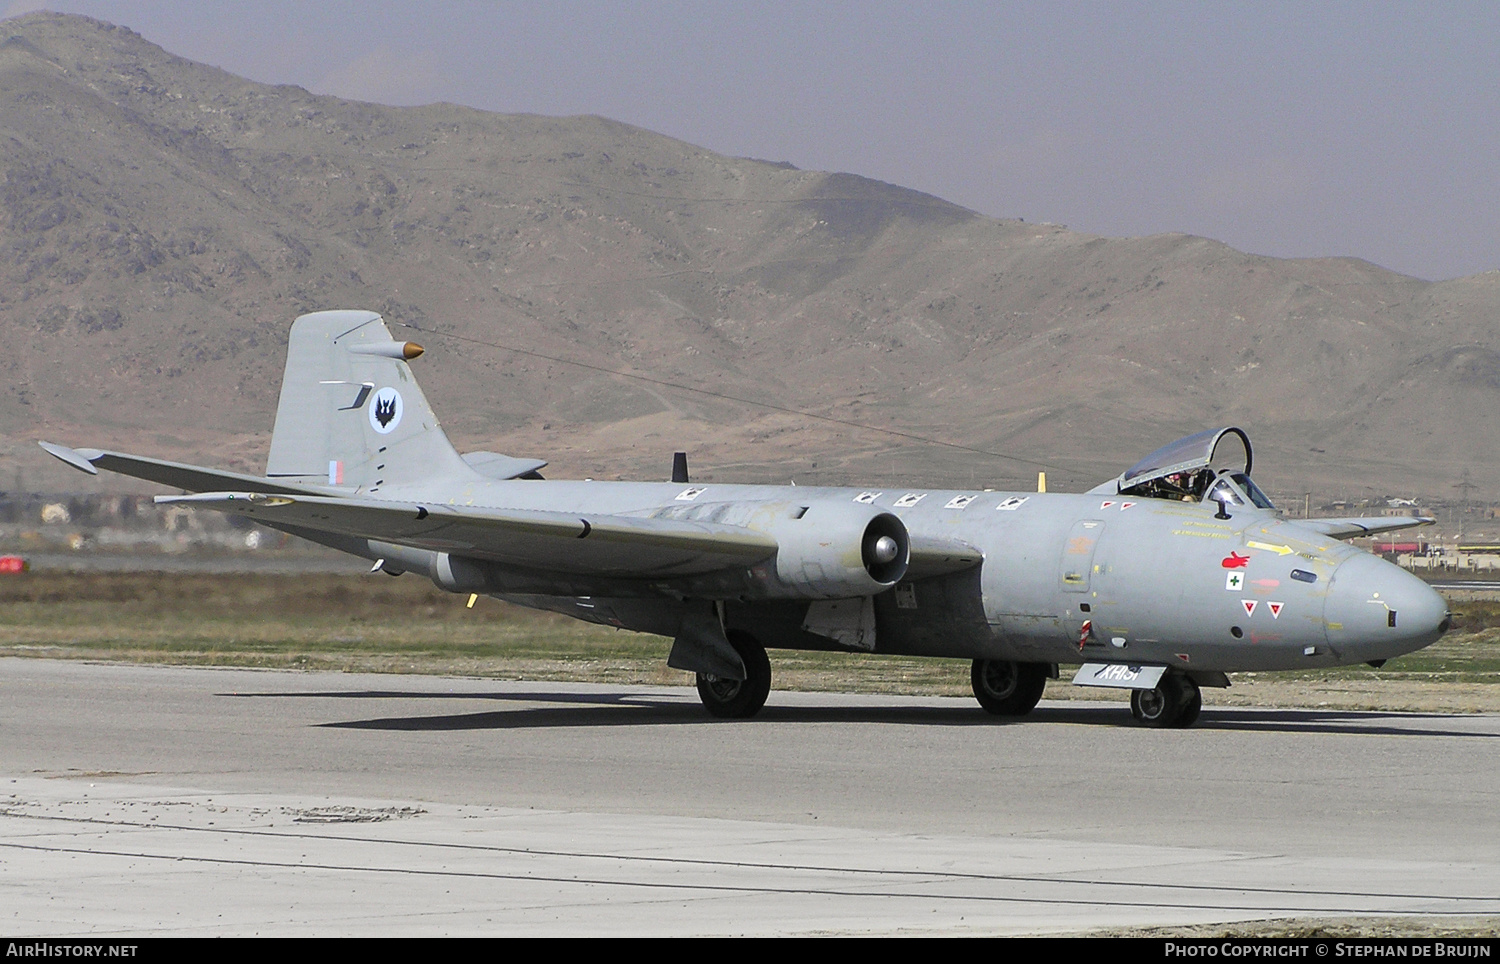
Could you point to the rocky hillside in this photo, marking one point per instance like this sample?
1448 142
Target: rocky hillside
162 222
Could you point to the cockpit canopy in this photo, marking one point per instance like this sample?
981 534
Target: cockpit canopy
1212 465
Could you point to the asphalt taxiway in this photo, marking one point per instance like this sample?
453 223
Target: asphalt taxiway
157 800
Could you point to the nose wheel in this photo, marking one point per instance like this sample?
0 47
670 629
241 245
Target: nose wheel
1175 702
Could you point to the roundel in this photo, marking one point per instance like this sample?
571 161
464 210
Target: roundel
385 411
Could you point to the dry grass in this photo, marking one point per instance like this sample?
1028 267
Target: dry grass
379 624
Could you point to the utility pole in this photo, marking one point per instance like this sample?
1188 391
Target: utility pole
1464 487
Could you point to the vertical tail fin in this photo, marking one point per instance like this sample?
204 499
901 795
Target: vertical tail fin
351 413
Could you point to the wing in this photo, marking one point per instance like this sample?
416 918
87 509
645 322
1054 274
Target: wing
178 475
565 542
576 543
1364 526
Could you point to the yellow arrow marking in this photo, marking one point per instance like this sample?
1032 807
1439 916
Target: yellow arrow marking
1279 550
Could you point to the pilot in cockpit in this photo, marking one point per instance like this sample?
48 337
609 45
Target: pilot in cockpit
1186 486
1184 472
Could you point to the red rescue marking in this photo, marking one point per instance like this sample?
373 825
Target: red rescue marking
1234 561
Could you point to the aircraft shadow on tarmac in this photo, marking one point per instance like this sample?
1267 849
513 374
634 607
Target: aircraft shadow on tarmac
574 709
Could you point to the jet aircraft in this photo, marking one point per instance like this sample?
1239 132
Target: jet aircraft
1161 581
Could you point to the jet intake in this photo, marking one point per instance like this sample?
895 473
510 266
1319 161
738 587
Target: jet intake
838 551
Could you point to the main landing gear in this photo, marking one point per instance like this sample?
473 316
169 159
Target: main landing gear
1005 688
1175 702
738 699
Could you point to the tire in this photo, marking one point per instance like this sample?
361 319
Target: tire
1175 702
1155 707
1006 688
1192 704
739 699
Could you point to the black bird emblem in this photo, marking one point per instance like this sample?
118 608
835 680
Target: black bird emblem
385 410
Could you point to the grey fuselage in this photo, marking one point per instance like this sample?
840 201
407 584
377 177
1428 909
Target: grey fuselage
1064 578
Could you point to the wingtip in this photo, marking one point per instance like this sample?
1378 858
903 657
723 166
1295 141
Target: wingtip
80 459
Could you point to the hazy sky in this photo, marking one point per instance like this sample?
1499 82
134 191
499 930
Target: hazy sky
1369 129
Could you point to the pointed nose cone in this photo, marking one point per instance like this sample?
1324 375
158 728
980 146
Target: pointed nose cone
1375 610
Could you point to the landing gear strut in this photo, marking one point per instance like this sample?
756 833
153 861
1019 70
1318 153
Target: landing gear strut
1175 702
738 699
1005 688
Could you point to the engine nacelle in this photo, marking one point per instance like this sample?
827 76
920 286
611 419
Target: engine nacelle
825 550
458 574
450 572
838 550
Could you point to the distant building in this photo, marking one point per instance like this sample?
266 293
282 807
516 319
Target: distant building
1479 555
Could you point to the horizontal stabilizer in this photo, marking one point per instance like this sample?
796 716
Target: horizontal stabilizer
1364 526
493 465
577 543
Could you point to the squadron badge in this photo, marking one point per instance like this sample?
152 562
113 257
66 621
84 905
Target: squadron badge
385 411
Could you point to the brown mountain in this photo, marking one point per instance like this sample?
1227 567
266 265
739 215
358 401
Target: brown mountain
162 222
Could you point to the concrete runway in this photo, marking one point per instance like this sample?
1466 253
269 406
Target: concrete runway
155 800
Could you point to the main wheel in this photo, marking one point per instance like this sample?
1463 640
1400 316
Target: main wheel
1005 688
738 699
1175 702
1192 703
1153 707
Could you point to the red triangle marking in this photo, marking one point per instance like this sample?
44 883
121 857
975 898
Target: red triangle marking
1275 608
1249 605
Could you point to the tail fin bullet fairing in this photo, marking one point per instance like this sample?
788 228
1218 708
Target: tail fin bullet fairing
1162 582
